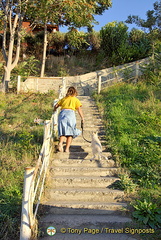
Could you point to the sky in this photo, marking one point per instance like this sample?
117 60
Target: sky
119 11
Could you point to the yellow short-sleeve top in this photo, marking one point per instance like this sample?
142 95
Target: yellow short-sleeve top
70 102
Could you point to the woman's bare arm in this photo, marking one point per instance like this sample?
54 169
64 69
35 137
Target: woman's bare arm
55 107
79 109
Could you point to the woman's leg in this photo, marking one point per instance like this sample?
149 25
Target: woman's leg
68 143
61 140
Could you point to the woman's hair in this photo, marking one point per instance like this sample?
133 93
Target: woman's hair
71 92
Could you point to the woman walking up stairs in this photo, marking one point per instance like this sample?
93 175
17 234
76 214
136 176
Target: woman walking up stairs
80 203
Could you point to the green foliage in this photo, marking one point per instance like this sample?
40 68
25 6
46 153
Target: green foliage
1 68
76 39
125 183
57 41
122 47
114 37
1 19
94 40
62 71
152 21
140 44
34 44
147 212
29 67
152 70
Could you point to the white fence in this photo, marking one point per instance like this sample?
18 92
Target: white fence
102 78
87 82
34 177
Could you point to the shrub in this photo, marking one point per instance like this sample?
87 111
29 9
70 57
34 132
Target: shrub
147 212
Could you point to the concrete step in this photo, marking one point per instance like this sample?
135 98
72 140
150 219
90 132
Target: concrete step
86 194
90 129
85 221
80 142
79 155
83 208
82 181
77 148
84 171
84 236
87 135
81 162
90 118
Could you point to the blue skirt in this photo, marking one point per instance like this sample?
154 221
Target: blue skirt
67 123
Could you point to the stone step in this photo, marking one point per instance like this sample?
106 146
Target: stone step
90 124
84 236
90 129
83 208
84 171
90 118
81 162
85 221
79 155
86 194
82 181
83 148
80 142
87 135
89 107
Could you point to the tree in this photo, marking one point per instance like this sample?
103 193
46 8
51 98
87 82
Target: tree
152 23
76 40
13 13
114 42
140 44
73 13
56 42
153 20
94 40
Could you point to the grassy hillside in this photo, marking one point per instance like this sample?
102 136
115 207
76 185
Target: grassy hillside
20 143
132 115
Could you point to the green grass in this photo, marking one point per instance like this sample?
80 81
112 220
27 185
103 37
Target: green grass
132 114
20 144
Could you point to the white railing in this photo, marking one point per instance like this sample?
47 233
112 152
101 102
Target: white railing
34 177
125 72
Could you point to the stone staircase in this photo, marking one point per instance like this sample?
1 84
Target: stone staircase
80 200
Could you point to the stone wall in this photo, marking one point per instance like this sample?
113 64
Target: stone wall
43 85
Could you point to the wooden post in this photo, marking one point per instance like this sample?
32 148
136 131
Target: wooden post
99 84
64 85
25 231
137 71
46 129
55 119
18 84
116 76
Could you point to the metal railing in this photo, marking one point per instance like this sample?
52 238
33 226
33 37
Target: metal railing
34 177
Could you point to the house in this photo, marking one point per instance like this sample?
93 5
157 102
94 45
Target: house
39 27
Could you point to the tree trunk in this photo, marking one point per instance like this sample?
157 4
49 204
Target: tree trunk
44 51
10 64
14 26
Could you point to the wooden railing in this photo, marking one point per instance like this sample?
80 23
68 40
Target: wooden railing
34 177
126 72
